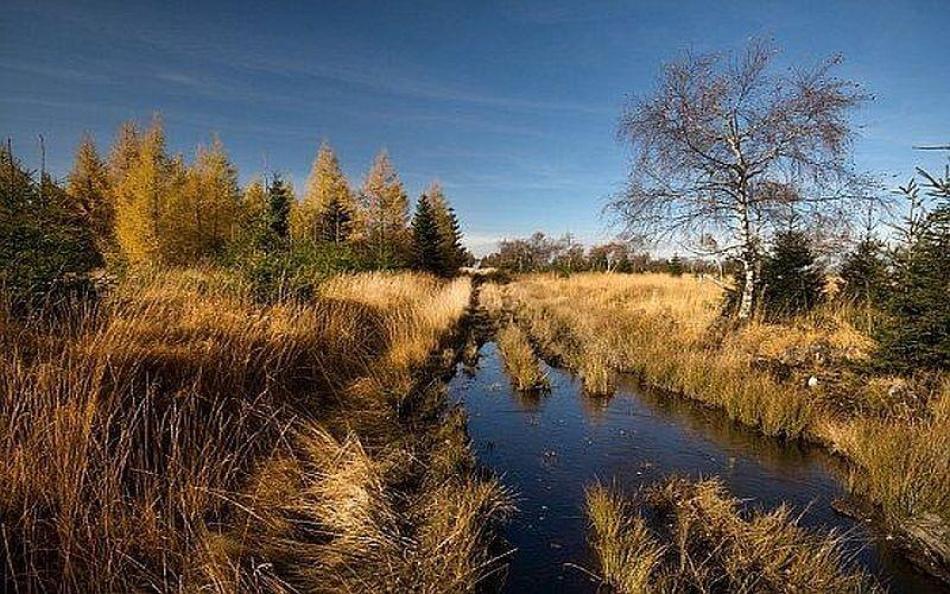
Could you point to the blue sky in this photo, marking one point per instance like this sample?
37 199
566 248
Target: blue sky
512 105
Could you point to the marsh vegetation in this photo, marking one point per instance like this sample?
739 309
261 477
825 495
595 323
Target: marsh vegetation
801 378
179 436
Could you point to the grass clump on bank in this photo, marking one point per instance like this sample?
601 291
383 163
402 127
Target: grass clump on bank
522 365
178 435
681 536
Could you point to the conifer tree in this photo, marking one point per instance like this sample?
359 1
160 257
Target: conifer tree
426 240
326 185
676 265
46 245
279 199
124 153
792 279
454 254
336 222
864 272
205 212
916 332
254 220
88 187
386 211
142 198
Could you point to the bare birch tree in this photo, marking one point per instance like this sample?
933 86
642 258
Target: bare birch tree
727 140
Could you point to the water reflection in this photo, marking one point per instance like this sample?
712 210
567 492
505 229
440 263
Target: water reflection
549 447
776 455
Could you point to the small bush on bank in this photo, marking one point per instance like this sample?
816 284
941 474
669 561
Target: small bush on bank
296 272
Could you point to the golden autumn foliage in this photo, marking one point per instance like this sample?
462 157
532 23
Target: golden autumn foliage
203 216
124 153
167 212
386 207
142 195
325 185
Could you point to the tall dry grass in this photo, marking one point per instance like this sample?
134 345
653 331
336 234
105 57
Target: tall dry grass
178 436
681 536
654 325
521 363
668 331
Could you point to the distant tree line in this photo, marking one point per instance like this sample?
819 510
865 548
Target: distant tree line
140 205
541 253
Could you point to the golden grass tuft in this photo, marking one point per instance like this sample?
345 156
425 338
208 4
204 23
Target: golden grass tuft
699 539
522 365
627 553
491 298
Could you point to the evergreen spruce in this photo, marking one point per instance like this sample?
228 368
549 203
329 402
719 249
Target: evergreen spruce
916 332
792 279
676 265
864 272
336 222
454 255
47 245
427 244
279 199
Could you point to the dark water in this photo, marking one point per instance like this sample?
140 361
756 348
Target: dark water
549 447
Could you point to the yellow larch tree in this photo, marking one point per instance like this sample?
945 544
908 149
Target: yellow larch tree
202 218
326 185
142 196
385 211
124 153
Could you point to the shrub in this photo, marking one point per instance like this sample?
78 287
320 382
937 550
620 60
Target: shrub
295 273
